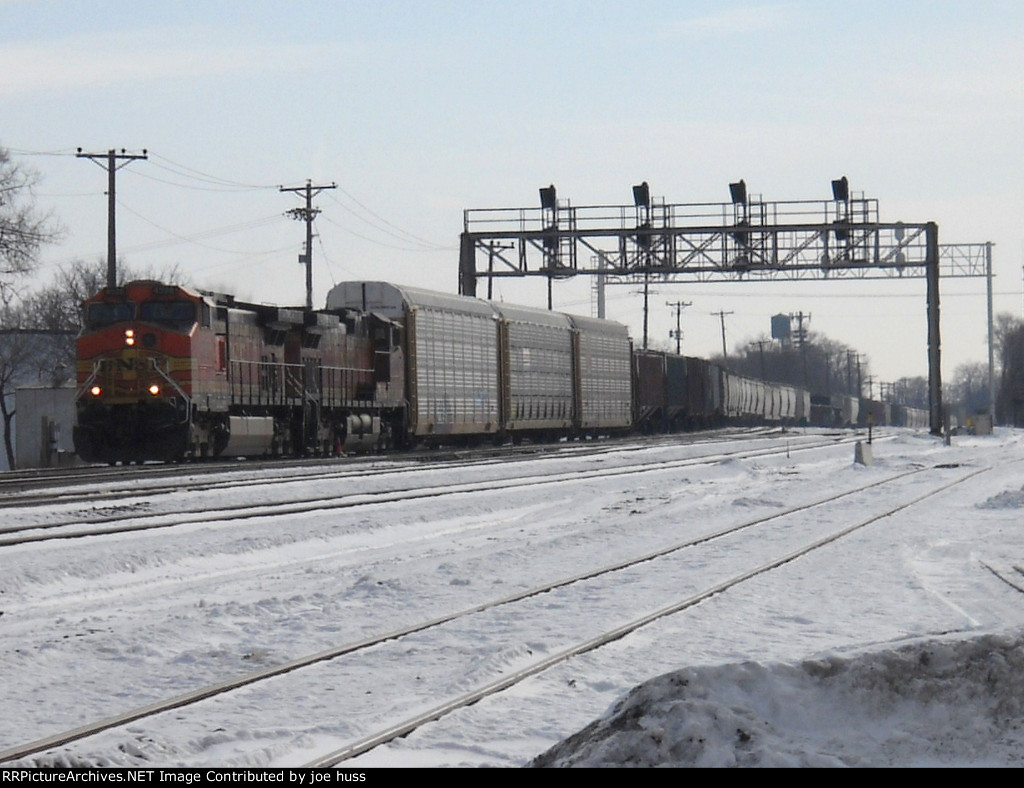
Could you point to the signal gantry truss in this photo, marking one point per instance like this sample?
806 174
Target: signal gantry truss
702 242
747 239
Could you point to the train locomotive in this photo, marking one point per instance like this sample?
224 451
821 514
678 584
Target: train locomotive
168 373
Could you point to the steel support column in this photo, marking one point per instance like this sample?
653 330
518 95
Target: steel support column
934 340
991 338
467 265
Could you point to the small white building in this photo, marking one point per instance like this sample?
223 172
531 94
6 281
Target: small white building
43 424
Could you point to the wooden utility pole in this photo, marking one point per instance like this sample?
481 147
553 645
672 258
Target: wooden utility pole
760 346
307 215
721 316
109 162
679 306
801 336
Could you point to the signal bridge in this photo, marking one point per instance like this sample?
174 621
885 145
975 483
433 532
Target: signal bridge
745 239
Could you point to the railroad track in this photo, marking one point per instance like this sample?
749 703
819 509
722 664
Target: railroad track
120 522
404 726
44 488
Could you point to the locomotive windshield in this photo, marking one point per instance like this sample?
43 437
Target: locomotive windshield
176 315
107 313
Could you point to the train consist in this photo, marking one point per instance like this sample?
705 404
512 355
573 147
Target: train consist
165 373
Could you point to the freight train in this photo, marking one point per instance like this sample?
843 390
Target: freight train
167 373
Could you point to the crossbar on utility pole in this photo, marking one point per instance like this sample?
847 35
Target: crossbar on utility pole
721 316
679 306
109 162
307 215
760 346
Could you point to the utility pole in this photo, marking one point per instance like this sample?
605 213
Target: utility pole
647 293
678 333
109 162
760 345
801 336
307 215
721 316
850 356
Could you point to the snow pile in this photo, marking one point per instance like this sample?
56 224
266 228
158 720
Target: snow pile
926 704
1009 499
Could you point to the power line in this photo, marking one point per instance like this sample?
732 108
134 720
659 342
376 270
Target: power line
380 243
206 177
198 237
400 234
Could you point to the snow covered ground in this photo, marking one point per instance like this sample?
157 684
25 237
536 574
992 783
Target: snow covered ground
901 643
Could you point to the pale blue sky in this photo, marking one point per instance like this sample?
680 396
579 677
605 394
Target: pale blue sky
421 109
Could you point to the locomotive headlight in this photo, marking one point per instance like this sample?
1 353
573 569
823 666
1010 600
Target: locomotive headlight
95 391
154 389
129 337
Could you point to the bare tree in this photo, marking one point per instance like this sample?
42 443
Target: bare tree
1006 325
912 392
55 311
17 349
970 387
23 229
1010 401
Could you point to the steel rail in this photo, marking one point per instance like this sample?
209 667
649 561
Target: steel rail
105 526
408 726
82 732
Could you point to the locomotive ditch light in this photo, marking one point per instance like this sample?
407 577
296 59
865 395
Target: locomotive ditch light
95 391
154 389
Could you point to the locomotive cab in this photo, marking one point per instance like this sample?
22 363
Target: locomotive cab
135 371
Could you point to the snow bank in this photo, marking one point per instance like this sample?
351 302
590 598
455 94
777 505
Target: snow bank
926 704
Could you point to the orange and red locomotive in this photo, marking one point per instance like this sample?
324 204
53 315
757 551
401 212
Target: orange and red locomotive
166 373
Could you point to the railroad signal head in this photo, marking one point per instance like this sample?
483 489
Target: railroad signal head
841 190
642 195
548 198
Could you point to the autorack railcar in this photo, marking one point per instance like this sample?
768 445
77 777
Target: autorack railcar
476 368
